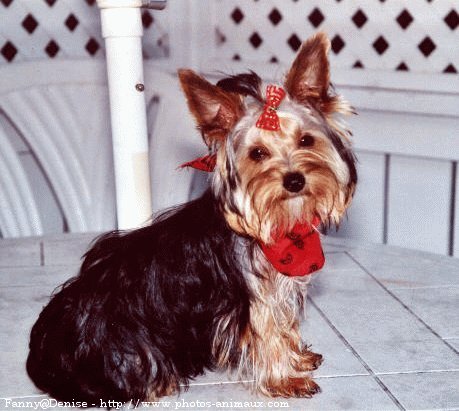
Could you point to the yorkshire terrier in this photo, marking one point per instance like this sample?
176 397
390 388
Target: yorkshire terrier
219 282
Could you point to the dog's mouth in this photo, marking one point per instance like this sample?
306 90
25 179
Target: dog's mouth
287 195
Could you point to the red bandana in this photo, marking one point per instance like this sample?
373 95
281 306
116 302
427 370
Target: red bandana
298 252
269 120
205 163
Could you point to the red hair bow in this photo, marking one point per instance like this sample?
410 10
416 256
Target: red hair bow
269 120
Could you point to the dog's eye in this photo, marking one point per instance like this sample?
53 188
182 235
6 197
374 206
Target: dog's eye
258 153
306 140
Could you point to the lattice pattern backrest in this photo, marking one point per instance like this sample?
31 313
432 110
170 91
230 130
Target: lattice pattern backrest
419 36
38 29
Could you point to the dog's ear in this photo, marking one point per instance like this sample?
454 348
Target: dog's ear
309 76
215 110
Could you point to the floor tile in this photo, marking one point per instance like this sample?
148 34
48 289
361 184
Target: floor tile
342 393
36 276
403 269
407 356
339 261
66 250
454 342
437 307
349 393
338 359
425 391
20 252
391 341
14 335
351 280
362 316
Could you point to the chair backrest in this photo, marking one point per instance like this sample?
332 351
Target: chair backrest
57 112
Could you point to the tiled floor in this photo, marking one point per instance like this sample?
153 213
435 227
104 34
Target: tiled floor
385 319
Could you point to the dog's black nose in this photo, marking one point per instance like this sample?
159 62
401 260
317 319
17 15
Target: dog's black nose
294 182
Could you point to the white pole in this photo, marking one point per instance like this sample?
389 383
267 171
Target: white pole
122 30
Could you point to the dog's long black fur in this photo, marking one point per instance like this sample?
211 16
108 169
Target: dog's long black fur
144 307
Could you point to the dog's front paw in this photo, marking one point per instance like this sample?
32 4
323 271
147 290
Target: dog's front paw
294 387
309 361
315 360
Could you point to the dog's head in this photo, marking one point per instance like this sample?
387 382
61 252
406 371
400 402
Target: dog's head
282 154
